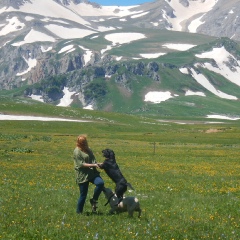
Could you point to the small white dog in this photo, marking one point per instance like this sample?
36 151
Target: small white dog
128 204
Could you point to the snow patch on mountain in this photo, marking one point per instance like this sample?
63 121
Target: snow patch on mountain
66 48
66 100
88 10
222 117
139 15
87 56
49 9
183 13
184 70
45 49
51 15
151 55
3 9
191 93
34 36
68 33
88 107
192 27
157 97
105 29
121 38
202 80
31 64
221 56
47 19
13 25
28 18
106 49
36 97
178 46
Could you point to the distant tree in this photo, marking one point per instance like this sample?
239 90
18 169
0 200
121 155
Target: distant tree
95 90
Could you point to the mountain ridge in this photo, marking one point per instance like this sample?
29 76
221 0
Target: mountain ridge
88 51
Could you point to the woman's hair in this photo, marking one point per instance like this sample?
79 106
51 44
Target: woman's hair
82 143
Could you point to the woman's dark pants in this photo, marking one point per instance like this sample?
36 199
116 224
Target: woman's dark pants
83 187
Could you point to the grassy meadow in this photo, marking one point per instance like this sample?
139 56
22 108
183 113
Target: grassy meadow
187 179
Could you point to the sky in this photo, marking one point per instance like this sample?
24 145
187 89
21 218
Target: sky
120 2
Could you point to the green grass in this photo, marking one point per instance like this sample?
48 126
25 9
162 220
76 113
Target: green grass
154 41
192 107
188 186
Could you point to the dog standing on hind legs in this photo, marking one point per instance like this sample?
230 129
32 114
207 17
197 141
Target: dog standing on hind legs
128 204
111 168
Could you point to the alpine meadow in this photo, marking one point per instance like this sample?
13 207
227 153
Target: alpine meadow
186 176
158 83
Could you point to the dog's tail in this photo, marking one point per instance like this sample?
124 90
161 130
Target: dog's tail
130 186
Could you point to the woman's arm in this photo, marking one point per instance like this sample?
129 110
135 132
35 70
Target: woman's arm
87 165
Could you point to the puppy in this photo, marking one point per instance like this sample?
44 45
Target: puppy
111 168
128 204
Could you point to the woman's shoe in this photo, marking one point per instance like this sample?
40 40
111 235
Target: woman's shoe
93 202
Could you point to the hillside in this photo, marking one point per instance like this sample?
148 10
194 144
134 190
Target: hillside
160 58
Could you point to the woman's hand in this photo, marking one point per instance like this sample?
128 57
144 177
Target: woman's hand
99 165
96 165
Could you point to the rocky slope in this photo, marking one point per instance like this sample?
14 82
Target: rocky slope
72 44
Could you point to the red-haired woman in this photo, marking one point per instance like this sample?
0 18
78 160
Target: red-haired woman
85 167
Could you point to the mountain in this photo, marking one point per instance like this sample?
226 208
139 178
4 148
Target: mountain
162 58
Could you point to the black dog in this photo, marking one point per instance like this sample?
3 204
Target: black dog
112 170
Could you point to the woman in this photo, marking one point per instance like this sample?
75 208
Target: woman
85 167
